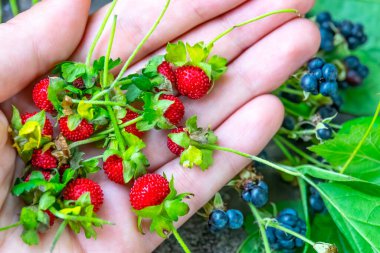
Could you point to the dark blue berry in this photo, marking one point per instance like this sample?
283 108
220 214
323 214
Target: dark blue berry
353 42
317 73
327 40
309 83
259 197
329 72
287 244
218 219
316 203
289 123
270 232
288 211
235 219
328 88
353 78
327 111
351 62
363 71
263 186
325 133
357 30
324 16
281 235
246 195
315 63
299 243
345 27
288 219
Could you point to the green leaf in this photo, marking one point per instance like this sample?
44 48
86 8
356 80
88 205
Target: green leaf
207 159
151 68
161 225
46 201
176 208
101 117
176 53
191 124
16 122
85 110
28 217
149 212
296 109
56 91
197 53
91 165
99 63
345 202
218 66
366 95
182 139
133 92
73 121
142 82
366 163
30 237
190 157
323 174
72 70
252 243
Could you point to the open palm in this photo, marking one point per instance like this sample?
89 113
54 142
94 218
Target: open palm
261 55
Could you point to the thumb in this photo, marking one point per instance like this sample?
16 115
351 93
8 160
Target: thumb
35 40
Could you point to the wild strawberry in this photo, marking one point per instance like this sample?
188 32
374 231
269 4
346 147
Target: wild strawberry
83 131
166 70
113 167
175 112
174 147
132 128
79 83
79 186
44 160
48 127
192 82
148 190
40 96
45 173
51 217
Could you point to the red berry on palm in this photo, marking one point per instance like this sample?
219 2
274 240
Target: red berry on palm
40 96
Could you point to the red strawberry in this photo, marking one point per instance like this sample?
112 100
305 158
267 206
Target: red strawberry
79 83
48 127
175 112
79 186
45 173
113 167
51 217
173 147
132 128
83 131
44 160
40 96
166 70
192 82
148 190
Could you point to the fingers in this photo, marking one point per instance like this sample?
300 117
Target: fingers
134 21
35 40
259 70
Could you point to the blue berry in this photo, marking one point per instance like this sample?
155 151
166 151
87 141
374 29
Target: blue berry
316 203
289 123
315 63
235 219
351 62
325 133
338 101
263 186
270 232
287 244
363 71
309 83
246 195
327 40
345 27
218 219
328 88
259 197
283 235
299 243
288 211
324 16
288 219
317 73
327 111
329 72
353 42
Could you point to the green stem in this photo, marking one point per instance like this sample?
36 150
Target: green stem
254 158
134 53
335 126
250 21
128 123
58 235
14 7
99 33
286 152
119 136
276 225
301 153
303 190
77 218
180 240
259 220
94 157
34 2
87 141
11 226
356 150
111 103
291 91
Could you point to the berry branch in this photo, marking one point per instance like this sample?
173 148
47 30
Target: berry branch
259 220
180 240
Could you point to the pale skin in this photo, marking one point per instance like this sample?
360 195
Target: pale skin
261 55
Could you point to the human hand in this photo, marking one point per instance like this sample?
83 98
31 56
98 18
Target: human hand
261 55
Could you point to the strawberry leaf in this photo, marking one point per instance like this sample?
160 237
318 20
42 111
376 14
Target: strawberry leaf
101 116
72 70
162 225
99 64
182 139
218 66
56 92
46 201
73 121
176 53
197 53
176 208
207 159
151 68
133 92
85 110
190 157
16 122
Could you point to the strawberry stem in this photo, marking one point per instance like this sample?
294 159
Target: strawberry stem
248 22
78 218
99 33
58 235
14 7
180 240
111 103
134 53
11 226
259 220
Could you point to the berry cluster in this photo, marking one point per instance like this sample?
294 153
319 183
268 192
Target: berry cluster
280 240
256 193
316 201
219 220
352 33
321 78
356 72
